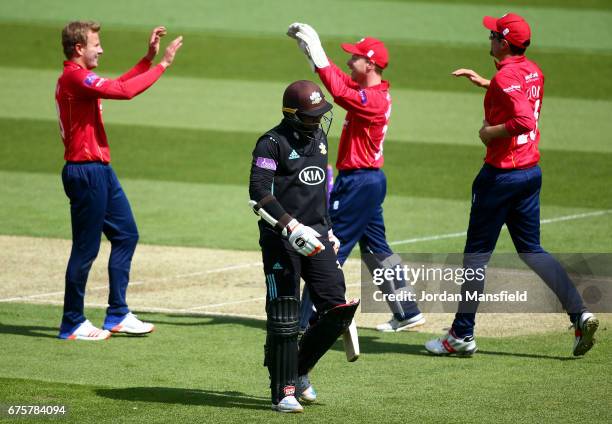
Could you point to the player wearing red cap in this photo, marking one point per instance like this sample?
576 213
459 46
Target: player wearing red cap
360 188
507 189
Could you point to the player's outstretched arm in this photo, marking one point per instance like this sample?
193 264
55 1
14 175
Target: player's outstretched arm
145 63
170 52
476 79
89 84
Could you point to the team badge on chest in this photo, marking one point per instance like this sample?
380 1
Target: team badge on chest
322 148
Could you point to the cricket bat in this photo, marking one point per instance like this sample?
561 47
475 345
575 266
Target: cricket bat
351 342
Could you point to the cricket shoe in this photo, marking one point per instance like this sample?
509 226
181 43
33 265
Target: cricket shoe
86 331
128 324
394 324
304 389
585 329
450 344
288 404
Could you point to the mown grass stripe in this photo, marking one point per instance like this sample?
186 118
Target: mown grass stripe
216 216
243 106
564 4
423 21
216 374
572 178
414 65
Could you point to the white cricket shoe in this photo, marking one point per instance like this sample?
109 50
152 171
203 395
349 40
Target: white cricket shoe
288 404
449 344
130 324
304 389
394 325
585 329
87 331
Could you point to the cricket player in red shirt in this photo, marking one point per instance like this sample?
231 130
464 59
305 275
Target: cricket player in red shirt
97 201
507 189
360 188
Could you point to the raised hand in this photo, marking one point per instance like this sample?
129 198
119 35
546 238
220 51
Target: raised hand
154 40
171 50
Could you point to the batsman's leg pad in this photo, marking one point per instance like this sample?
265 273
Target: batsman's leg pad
321 335
282 346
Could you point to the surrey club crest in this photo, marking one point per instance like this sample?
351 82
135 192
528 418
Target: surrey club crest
315 98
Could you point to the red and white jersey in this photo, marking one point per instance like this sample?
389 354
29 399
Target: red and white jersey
366 122
77 97
514 98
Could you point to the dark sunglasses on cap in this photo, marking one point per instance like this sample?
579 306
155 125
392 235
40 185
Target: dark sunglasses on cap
496 36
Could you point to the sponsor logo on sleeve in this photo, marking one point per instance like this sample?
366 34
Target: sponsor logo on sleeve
363 97
90 79
100 82
512 88
312 175
266 163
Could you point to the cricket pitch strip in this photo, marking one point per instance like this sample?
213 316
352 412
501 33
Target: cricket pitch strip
200 281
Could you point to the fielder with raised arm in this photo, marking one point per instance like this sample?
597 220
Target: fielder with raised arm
359 191
98 203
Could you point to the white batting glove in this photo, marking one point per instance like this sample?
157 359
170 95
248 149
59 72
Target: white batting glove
334 241
303 238
313 48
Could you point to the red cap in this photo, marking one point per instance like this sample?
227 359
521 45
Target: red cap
371 48
513 27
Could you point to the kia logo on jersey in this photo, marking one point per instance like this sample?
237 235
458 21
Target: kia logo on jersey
312 175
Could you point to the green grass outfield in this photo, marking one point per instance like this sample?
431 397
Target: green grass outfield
182 152
200 369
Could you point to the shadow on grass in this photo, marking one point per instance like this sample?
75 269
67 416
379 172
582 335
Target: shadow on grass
196 320
370 345
227 399
528 355
29 330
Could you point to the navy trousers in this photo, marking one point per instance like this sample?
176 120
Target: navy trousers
355 209
356 212
511 197
97 205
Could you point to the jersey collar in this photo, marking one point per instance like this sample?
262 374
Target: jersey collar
71 64
510 60
383 86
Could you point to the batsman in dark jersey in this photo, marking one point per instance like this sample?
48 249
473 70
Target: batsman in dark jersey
288 190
